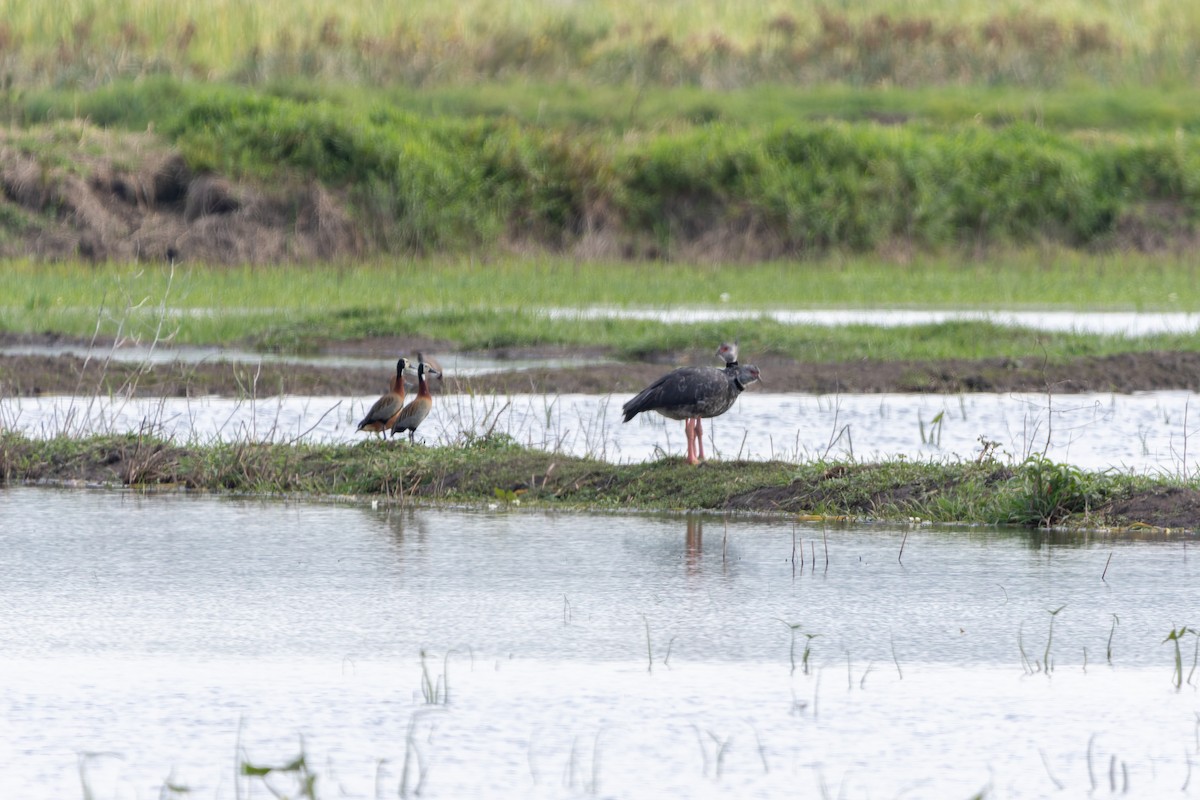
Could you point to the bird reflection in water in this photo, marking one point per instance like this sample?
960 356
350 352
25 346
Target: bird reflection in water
693 544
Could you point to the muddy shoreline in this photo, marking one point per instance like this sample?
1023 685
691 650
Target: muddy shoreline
32 375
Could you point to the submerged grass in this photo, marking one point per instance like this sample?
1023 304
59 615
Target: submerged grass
488 468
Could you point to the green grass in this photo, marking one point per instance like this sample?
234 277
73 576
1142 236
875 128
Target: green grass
496 470
767 104
617 109
1031 279
635 339
473 305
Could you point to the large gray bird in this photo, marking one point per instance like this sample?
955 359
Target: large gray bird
727 352
692 394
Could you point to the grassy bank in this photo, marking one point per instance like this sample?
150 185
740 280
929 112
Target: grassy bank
744 187
494 470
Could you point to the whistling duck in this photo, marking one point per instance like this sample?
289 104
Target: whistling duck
383 414
434 366
416 411
691 393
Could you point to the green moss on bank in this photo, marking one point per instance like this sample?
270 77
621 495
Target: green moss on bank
1036 492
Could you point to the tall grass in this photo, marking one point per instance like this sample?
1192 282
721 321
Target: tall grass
705 43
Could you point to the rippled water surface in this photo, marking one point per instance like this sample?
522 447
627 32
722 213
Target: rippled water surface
1148 431
143 638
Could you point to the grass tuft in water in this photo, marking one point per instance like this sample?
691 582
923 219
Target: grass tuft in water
435 692
1050 639
295 772
1175 637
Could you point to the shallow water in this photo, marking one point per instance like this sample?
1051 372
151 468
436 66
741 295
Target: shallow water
457 364
623 656
1142 432
1129 323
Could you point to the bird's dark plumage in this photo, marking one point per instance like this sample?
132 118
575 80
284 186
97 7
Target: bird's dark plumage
692 392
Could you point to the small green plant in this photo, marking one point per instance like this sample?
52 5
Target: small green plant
1175 636
793 627
172 790
507 496
934 434
435 692
296 770
1050 492
1050 639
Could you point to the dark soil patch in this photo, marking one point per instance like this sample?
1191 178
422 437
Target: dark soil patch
1160 507
1123 373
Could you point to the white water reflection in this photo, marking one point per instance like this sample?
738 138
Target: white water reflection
623 657
1151 431
1129 323
457 364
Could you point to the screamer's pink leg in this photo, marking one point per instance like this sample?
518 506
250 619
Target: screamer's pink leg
689 430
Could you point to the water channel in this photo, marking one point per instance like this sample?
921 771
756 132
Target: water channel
147 639
1153 432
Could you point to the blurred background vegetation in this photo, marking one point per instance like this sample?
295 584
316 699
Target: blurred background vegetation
659 129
